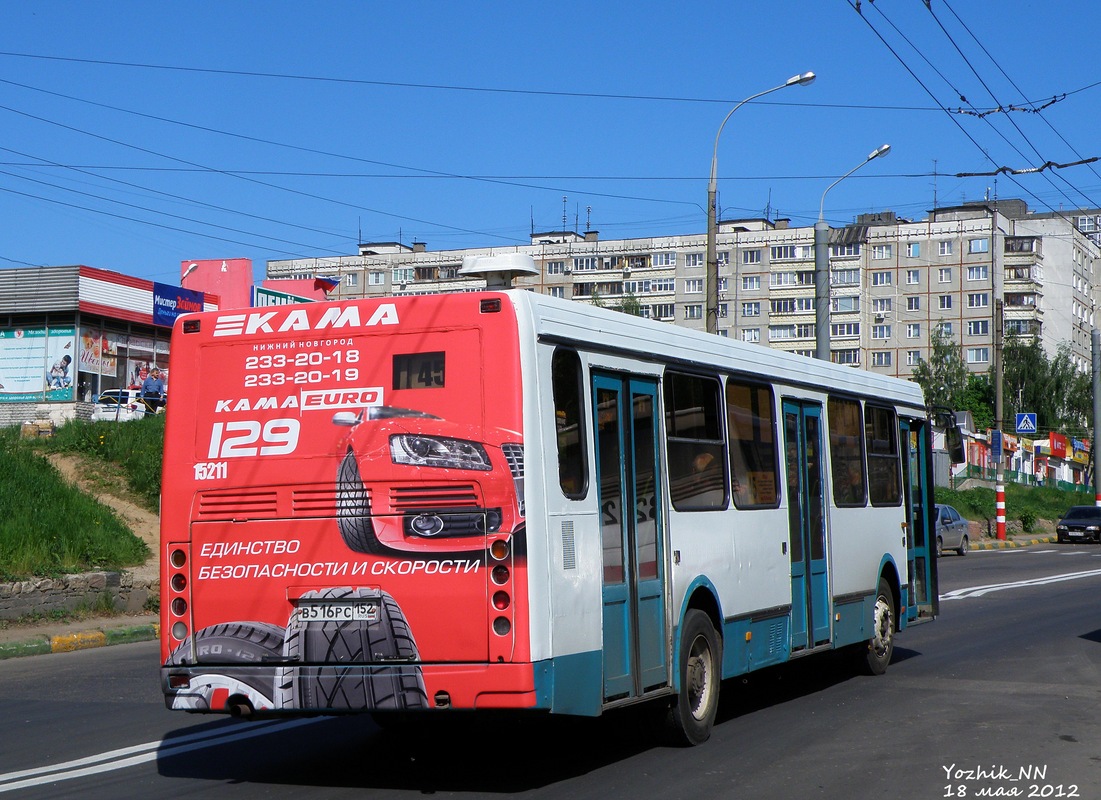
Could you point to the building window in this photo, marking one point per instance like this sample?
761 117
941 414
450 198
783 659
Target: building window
881 279
783 252
845 305
351 279
751 256
751 309
978 355
663 310
881 331
792 305
977 273
913 304
751 335
978 245
585 263
851 250
845 277
662 285
913 249
791 279
945 328
556 267
945 302
779 333
882 251
848 357
376 278
913 358
665 259
881 358
881 305
913 330
751 283
721 310
723 258
693 311
978 300
693 259
402 275
693 285
557 291
845 330
945 248
912 277
944 275
978 327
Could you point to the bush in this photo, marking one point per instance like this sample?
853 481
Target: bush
1028 521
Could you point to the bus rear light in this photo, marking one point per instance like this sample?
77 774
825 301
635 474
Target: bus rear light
179 606
501 600
179 582
501 626
191 326
500 574
499 550
179 631
490 306
178 558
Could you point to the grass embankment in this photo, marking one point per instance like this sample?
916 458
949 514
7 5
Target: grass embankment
1026 504
49 527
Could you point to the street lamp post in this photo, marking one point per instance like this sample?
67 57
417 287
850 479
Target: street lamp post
712 279
822 265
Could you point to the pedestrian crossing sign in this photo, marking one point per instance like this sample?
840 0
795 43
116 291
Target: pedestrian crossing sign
1026 423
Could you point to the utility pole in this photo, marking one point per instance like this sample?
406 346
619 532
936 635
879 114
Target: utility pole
999 370
1095 338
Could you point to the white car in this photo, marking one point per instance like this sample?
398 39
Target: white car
119 405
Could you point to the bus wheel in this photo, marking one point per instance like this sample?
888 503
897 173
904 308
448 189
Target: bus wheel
353 510
381 652
692 712
882 644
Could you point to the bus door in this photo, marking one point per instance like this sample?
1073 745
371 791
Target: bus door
917 484
626 440
810 613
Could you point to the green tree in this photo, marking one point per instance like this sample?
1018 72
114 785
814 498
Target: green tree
944 376
978 398
630 305
1054 389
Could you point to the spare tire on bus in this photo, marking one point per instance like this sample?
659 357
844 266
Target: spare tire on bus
235 644
382 652
353 509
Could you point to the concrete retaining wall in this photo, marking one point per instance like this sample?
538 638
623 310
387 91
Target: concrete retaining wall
43 596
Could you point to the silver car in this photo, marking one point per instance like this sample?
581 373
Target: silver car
953 531
119 405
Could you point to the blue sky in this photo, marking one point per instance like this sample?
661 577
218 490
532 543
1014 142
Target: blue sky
135 135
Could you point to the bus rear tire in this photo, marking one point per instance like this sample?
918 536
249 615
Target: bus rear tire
879 648
691 714
353 510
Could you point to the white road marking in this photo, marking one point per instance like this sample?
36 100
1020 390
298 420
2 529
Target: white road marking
140 754
979 591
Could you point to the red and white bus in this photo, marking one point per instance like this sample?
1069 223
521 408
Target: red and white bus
502 500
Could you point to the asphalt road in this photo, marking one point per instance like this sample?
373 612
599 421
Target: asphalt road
998 697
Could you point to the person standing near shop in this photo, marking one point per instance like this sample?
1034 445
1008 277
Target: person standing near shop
152 390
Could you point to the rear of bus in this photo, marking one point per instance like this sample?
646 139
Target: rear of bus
342 514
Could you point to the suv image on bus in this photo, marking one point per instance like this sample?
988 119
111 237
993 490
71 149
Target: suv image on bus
413 482
1080 524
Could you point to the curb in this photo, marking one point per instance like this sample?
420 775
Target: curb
83 640
997 544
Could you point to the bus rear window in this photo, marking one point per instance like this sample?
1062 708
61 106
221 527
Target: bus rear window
419 370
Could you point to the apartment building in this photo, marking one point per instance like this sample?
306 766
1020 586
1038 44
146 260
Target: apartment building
892 280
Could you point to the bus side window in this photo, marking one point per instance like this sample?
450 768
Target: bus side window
847 452
697 463
884 461
566 390
751 429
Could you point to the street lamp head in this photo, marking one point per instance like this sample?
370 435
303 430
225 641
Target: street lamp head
882 150
805 79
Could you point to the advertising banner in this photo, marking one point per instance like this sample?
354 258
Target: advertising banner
170 302
97 353
37 364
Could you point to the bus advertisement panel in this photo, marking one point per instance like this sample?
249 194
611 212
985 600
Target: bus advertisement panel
343 512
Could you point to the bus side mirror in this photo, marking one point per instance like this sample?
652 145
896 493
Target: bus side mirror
953 440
